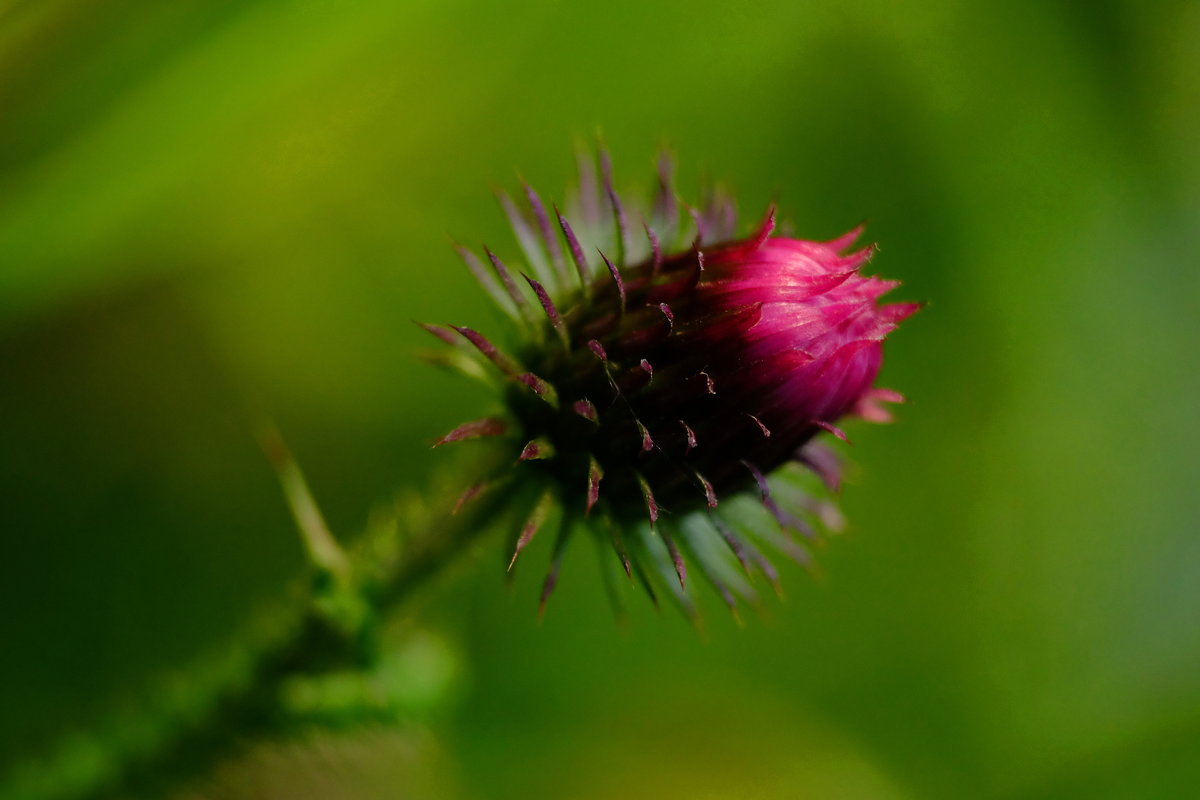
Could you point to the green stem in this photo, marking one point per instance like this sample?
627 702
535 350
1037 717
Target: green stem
222 706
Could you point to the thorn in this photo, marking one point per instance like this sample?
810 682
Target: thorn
648 497
535 521
551 310
601 354
610 584
616 276
831 428
505 364
541 388
619 546
553 245
644 580
322 549
457 361
537 449
828 513
691 436
527 238
615 201
595 475
487 281
772 577
655 250
786 521
510 285
598 349
440 332
722 589
745 552
472 491
736 545
551 580
766 432
476 429
795 552
670 315
647 442
710 496
676 558
581 266
824 463
587 410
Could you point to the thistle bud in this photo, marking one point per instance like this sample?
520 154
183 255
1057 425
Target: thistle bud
662 374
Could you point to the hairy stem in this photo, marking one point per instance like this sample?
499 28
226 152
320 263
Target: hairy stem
219 706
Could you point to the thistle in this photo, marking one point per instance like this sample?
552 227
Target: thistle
664 369
665 396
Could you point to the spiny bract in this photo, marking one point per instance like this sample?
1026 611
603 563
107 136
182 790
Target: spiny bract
665 368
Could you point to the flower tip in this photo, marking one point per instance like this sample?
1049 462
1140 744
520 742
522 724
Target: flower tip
848 238
870 406
896 313
765 228
887 395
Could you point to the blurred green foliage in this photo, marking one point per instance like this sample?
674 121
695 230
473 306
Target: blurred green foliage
213 209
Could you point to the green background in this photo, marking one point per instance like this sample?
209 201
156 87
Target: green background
212 210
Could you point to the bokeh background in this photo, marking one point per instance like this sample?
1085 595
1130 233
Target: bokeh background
212 210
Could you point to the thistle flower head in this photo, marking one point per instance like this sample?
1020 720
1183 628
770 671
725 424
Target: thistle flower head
666 366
